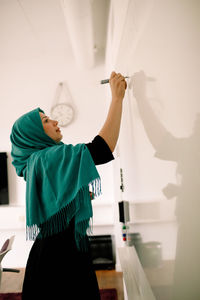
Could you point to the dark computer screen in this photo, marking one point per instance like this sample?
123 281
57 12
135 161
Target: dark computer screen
3 179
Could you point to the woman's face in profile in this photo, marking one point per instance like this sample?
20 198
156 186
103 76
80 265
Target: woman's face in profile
51 128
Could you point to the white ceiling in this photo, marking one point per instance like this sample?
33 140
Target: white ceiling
30 28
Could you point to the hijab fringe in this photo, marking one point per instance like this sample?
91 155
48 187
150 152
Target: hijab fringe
60 221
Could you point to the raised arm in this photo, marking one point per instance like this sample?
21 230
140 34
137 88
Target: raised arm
110 130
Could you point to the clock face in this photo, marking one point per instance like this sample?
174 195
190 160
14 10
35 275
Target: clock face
63 113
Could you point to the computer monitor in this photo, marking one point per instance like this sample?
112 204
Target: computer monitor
4 199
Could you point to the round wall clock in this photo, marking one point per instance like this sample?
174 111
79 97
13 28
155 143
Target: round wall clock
63 113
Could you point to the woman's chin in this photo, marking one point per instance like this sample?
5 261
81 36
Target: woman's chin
58 139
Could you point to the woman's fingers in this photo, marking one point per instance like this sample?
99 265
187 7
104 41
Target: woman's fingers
113 74
116 75
118 85
125 84
118 79
121 79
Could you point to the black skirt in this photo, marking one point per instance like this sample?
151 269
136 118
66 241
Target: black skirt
56 269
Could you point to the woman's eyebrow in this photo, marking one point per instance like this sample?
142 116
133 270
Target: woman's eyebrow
44 117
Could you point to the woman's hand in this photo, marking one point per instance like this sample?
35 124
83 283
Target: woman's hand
111 127
118 86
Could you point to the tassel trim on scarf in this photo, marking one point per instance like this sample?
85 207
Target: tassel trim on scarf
60 221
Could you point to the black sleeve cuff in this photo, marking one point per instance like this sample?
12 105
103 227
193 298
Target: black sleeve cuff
100 150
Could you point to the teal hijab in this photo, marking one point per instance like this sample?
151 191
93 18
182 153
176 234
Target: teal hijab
58 179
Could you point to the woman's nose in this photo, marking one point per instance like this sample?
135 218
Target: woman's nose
55 122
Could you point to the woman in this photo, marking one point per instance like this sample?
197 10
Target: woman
58 200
